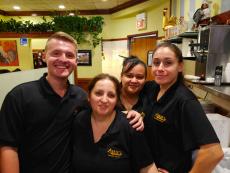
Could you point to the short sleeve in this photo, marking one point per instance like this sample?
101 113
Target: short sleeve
140 152
196 128
11 121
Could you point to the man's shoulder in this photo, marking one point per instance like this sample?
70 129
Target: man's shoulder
78 91
27 86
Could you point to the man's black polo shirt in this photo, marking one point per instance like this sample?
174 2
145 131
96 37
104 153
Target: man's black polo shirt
175 127
120 150
38 122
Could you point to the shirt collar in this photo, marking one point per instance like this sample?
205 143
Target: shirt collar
169 93
49 90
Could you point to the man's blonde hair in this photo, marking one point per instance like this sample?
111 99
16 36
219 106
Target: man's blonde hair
61 36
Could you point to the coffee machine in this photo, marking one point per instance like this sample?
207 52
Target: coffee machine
213 51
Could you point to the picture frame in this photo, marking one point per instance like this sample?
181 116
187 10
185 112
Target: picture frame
149 58
8 53
39 58
84 58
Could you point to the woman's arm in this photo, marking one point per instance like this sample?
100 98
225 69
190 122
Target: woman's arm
9 162
207 158
149 169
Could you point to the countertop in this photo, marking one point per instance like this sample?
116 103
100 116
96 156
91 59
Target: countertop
221 91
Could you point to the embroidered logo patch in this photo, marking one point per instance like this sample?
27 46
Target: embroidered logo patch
114 153
159 117
142 114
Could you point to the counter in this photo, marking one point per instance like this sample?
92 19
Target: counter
220 91
218 95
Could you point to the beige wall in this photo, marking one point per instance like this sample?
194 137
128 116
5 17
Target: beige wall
117 25
24 54
123 23
215 7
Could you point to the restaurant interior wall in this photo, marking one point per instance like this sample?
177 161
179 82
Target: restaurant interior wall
117 25
24 56
187 8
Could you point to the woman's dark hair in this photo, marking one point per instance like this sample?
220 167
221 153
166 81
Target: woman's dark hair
130 62
101 77
178 54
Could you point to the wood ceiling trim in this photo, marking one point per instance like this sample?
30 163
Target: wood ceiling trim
143 34
21 35
80 12
126 5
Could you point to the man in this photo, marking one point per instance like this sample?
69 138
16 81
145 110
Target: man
36 117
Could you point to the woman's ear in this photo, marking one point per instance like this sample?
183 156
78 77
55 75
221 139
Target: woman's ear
181 67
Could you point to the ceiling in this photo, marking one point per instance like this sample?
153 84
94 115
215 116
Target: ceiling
70 5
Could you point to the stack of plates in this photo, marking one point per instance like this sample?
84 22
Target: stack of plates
191 77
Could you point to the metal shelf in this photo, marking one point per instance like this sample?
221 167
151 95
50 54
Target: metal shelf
189 35
192 58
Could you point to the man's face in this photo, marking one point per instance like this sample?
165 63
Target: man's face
60 58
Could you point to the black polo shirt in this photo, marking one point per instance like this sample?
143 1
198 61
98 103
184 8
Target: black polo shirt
175 127
38 122
142 105
120 150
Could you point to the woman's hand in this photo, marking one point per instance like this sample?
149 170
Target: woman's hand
136 120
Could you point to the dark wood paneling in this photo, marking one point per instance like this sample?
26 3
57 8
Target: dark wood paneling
80 12
83 83
127 5
222 18
30 35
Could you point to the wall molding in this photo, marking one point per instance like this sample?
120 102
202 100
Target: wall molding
114 39
79 12
29 35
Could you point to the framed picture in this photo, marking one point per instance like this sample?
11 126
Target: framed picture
84 58
39 58
149 58
8 53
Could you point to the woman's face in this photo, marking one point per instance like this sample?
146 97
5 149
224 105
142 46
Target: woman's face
103 97
165 67
133 80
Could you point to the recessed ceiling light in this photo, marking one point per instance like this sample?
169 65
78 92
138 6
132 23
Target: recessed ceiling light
34 14
16 7
104 0
61 6
71 14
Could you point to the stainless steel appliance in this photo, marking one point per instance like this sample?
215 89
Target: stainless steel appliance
214 50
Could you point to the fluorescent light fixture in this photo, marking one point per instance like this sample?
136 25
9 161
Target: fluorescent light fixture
61 7
16 7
